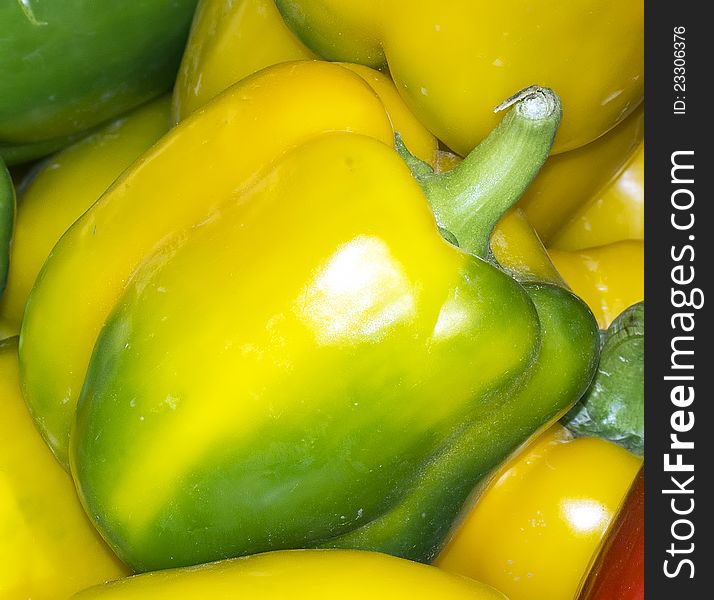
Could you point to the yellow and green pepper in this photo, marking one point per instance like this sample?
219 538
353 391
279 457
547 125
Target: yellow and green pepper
206 426
356 107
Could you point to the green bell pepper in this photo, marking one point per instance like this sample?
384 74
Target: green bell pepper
68 66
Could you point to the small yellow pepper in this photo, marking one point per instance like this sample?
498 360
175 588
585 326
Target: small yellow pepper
608 278
535 527
299 575
48 547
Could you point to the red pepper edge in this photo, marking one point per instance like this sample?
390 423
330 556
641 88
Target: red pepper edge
619 570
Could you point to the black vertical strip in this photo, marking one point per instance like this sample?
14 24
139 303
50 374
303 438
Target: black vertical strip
678 271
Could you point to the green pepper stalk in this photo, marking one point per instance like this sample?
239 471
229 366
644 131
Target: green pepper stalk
613 407
470 199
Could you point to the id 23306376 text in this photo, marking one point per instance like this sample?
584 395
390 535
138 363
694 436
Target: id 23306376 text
679 71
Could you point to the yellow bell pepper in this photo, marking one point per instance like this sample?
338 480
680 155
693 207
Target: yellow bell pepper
536 526
617 213
48 547
454 61
55 197
63 187
299 575
608 278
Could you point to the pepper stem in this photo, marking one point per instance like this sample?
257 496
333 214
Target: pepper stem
469 200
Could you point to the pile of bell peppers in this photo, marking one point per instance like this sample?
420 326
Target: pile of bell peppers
309 298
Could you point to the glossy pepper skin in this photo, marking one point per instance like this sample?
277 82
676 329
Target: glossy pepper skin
454 61
7 219
301 575
290 310
619 571
534 530
69 66
55 193
48 547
